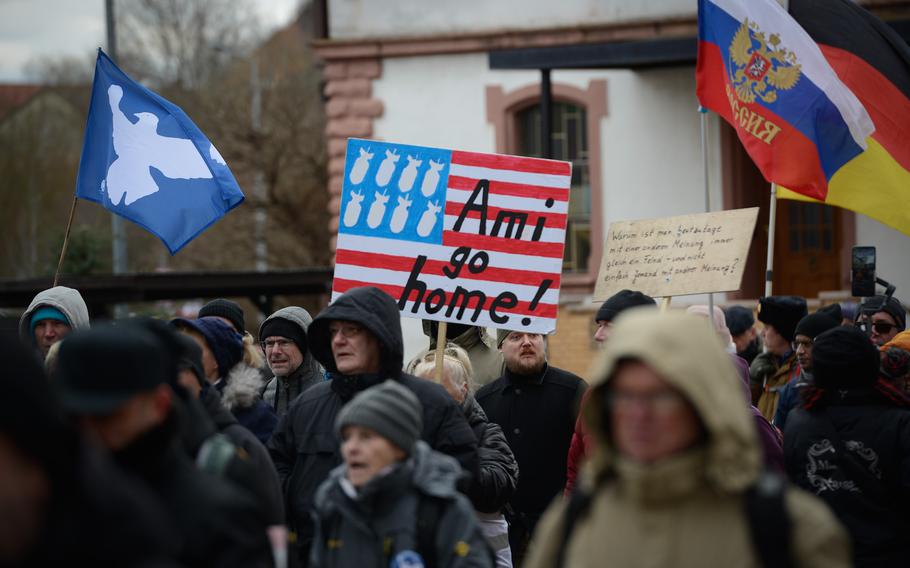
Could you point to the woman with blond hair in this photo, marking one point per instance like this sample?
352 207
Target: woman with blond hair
498 470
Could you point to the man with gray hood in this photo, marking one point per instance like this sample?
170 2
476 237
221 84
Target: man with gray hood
283 339
52 314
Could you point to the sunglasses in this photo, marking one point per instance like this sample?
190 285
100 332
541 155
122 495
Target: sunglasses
878 326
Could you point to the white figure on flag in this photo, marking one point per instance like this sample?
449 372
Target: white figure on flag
377 210
406 181
431 179
352 211
428 219
361 165
387 168
139 147
400 214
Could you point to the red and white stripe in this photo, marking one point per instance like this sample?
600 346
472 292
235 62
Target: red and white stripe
517 265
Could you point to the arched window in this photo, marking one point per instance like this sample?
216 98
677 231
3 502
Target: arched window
569 143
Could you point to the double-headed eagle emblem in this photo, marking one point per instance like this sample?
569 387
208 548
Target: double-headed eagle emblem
759 71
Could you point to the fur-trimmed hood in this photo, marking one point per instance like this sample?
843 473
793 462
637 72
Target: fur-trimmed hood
242 387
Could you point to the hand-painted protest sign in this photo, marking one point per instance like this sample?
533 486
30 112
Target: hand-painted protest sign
454 236
674 256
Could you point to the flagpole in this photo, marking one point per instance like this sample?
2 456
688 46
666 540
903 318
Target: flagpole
440 349
772 217
66 238
703 114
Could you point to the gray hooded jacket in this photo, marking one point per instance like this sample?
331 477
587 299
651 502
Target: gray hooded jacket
279 392
67 300
383 515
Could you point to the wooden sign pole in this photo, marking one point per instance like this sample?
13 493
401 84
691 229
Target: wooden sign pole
440 350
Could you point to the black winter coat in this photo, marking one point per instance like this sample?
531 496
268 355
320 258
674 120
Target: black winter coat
305 447
217 523
537 414
497 470
868 489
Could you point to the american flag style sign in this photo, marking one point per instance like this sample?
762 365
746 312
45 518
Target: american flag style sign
454 236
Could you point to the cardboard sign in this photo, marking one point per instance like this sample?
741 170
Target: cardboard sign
454 236
674 256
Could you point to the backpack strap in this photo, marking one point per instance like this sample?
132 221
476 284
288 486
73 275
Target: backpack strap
429 510
769 522
577 507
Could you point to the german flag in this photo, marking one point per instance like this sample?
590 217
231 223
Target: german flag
873 61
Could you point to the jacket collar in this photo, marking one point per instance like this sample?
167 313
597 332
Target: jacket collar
664 482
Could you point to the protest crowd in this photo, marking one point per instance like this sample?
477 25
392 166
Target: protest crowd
190 443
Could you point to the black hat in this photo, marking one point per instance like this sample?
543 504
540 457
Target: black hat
783 313
844 357
621 301
739 319
891 306
816 324
226 309
281 327
100 369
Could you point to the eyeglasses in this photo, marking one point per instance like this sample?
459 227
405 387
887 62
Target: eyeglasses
879 326
804 343
270 344
664 401
346 330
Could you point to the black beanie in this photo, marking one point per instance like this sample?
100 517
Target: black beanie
891 306
280 327
815 324
739 319
783 313
226 309
844 357
621 301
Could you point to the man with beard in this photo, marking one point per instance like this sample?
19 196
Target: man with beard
113 381
536 405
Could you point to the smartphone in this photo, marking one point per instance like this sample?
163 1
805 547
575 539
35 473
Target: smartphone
862 275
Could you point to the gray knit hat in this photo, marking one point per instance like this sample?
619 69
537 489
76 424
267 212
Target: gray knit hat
389 409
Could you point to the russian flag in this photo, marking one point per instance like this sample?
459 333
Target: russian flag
760 71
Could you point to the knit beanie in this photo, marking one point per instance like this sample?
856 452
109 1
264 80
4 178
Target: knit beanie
739 319
783 313
280 327
621 301
844 357
226 309
891 306
47 313
389 409
816 324
225 343
501 335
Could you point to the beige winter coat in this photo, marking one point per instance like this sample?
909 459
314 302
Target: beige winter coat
685 510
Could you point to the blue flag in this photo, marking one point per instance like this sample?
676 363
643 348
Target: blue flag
145 160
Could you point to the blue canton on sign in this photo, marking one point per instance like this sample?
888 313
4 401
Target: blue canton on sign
145 160
394 191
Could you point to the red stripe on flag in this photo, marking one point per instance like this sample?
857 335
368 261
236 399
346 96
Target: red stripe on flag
499 244
521 309
790 159
885 103
434 268
511 189
551 220
518 163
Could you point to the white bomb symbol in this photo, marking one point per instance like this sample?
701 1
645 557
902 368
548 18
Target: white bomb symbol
406 181
386 168
377 210
431 179
400 214
352 211
428 220
361 165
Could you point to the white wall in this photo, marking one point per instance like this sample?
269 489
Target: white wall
350 19
892 253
